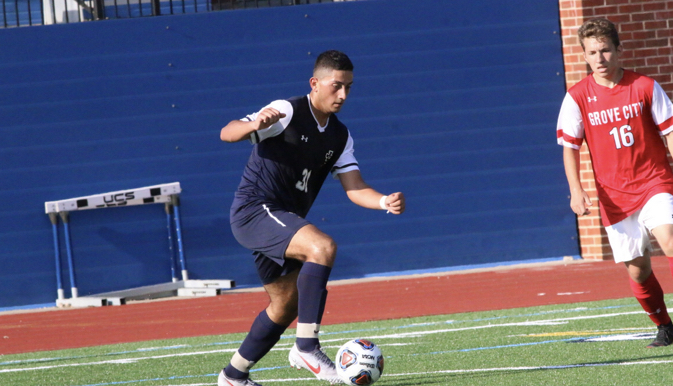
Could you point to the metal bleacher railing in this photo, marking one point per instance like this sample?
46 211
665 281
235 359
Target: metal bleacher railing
22 13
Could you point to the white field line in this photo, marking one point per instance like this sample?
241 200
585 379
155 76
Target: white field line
468 371
546 322
390 336
528 368
119 361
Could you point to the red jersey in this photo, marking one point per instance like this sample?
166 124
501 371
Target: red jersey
623 127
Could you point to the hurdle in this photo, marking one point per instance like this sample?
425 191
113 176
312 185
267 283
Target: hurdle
169 195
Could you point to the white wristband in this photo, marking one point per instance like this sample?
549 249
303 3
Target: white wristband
382 203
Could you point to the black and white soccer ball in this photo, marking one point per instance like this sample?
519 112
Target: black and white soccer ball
359 362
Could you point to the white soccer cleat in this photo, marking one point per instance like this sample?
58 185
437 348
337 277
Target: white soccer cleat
223 380
316 362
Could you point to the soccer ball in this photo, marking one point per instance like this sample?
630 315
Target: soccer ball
359 362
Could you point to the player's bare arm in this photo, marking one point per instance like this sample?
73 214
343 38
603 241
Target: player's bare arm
238 130
579 199
668 138
360 193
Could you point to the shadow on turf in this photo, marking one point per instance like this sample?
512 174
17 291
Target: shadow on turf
441 378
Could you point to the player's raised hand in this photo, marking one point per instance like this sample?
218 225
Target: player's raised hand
580 202
395 203
268 117
238 130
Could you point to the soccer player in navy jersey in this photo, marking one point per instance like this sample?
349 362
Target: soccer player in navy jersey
298 142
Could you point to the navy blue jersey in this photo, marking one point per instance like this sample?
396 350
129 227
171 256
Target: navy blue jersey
291 159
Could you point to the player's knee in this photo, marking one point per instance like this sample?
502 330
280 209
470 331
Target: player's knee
285 316
639 269
323 252
284 310
639 276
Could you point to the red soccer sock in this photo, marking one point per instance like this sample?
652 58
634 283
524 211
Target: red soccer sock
651 298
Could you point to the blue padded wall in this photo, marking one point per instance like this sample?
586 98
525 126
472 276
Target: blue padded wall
454 104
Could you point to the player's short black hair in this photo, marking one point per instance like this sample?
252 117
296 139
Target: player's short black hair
333 60
599 28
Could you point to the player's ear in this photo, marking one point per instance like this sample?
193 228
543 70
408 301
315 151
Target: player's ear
313 82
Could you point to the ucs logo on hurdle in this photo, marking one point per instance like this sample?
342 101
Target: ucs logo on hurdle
119 199
146 196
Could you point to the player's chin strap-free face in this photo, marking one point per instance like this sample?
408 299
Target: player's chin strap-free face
329 89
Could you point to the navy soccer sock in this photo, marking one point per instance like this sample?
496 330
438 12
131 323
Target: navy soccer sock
263 335
312 289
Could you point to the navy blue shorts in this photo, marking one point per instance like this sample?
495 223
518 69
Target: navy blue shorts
267 230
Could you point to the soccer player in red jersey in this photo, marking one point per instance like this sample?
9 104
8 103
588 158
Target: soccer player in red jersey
624 117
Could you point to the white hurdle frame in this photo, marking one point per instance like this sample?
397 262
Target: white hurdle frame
164 193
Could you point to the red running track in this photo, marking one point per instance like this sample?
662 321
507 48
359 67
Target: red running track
389 298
